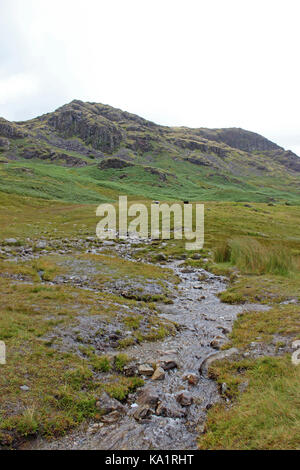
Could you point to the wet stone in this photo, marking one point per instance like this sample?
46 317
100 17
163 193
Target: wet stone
218 342
185 398
145 369
142 412
149 396
159 374
192 379
169 408
167 363
107 404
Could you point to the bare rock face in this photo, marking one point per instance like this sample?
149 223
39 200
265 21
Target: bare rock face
81 120
44 153
4 144
239 139
11 130
114 163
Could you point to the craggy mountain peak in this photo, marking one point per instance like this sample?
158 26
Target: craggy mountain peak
105 128
79 133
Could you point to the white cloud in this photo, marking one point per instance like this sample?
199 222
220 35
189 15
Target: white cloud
16 87
193 63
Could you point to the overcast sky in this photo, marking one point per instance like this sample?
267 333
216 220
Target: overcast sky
197 63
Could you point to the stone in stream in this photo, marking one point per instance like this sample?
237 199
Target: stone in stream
169 408
209 360
159 374
145 369
192 379
142 412
148 396
185 398
167 363
218 342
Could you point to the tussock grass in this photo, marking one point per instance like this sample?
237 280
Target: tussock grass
29 311
266 416
283 320
266 289
251 256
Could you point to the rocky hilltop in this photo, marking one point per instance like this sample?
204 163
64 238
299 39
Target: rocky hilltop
82 134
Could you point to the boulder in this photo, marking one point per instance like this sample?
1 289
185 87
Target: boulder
108 405
159 374
145 369
148 396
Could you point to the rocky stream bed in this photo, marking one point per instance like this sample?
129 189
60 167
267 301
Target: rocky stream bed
169 411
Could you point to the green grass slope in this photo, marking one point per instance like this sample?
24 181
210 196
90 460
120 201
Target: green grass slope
72 155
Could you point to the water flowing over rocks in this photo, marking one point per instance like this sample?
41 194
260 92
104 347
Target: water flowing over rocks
170 410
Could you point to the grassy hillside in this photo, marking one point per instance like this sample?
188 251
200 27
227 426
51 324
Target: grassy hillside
54 171
87 152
